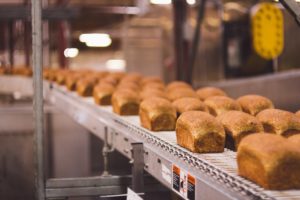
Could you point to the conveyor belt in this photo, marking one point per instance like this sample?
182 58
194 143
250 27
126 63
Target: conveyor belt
215 173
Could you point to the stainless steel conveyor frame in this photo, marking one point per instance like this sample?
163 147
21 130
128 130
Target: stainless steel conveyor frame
215 174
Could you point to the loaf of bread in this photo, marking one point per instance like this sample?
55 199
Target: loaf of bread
132 77
206 92
102 94
109 80
148 93
174 85
154 85
85 86
22 71
71 81
280 122
157 114
200 132
237 125
125 102
4 70
188 104
61 77
180 93
129 85
269 160
253 104
218 105
151 79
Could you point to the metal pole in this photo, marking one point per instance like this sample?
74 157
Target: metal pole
195 44
180 11
105 152
138 167
37 60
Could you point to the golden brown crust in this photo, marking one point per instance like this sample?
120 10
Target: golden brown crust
5 70
295 139
180 93
218 105
280 122
188 104
102 94
154 85
148 93
129 85
206 92
85 86
298 113
174 85
125 102
132 77
21 70
200 132
157 114
109 80
237 125
151 79
253 104
71 81
269 160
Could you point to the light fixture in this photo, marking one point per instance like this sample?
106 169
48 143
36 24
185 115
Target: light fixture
71 52
191 2
95 39
115 65
161 2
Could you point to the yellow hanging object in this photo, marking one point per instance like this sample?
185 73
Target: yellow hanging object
267 30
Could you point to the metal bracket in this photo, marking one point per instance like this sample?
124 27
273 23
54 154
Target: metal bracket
138 167
105 151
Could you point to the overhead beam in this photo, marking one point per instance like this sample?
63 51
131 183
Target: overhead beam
63 12
50 13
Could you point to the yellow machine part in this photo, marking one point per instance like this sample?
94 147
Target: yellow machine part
267 30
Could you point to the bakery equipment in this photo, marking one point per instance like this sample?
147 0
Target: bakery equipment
215 175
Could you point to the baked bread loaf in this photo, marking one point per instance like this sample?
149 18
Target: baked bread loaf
188 104
151 79
237 125
148 93
180 93
218 105
200 132
154 85
61 77
206 92
85 86
129 85
125 102
270 161
157 114
280 122
21 70
174 85
253 104
6 70
132 77
71 81
102 94
109 80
